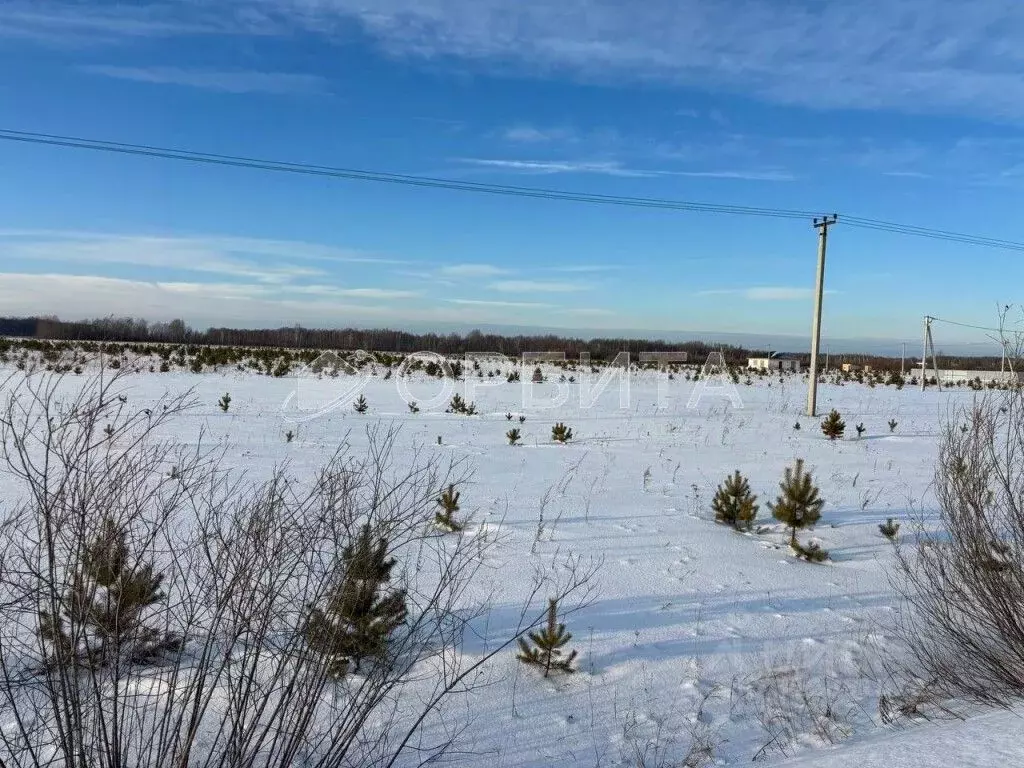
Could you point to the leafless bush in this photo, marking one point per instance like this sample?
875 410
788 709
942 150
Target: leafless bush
963 580
797 697
670 740
241 564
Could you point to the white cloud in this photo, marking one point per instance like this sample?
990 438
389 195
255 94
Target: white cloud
472 270
589 312
354 293
80 296
509 304
73 23
536 286
914 55
240 305
742 175
907 56
767 293
546 167
616 168
528 134
270 261
239 81
587 268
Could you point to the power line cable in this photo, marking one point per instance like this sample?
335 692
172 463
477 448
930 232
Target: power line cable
966 325
541 193
393 178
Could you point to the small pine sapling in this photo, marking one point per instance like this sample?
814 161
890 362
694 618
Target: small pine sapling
796 427
457 404
538 376
548 645
734 504
289 436
360 405
513 436
508 416
512 377
893 424
561 433
890 529
100 621
225 402
860 429
798 505
811 552
109 431
358 617
522 419
445 517
833 425
413 407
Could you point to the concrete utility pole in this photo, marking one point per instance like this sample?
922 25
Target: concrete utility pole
822 226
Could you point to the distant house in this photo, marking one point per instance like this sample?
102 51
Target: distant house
781 362
850 368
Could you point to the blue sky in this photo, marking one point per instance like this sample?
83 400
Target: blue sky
904 110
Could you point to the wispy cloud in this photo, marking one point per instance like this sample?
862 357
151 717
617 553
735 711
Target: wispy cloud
537 286
60 22
766 293
508 304
963 58
752 175
588 312
587 268
910 56
223 81
353 293
472 270
617 168
548 167
528 134
74 296
208 253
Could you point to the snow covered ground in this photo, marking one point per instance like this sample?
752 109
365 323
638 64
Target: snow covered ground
693 627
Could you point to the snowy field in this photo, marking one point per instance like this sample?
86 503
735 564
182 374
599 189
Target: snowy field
689 619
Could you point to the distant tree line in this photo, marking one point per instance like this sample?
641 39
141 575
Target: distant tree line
130 329
133 329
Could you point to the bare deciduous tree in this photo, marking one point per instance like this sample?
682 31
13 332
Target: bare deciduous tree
962 576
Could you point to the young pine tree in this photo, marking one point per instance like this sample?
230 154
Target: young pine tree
890 529
513 436
101 619
798 505
548 644
358 617
445 517
561 433
734 504
833 425
360 405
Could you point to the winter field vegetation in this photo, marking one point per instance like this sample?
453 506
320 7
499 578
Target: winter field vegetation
229 556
